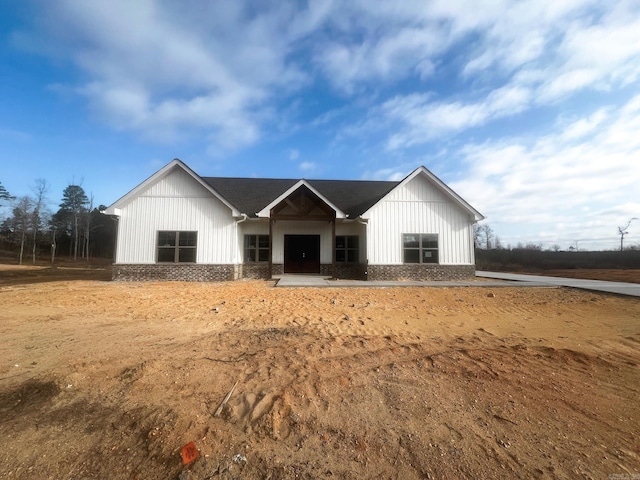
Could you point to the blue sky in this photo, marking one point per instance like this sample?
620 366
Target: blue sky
529 109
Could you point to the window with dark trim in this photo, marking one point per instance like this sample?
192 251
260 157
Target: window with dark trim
347 248
256 248
420 247
177 247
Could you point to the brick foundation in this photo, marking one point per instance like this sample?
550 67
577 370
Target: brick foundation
346 271
427 272
221 273
256 271
186 272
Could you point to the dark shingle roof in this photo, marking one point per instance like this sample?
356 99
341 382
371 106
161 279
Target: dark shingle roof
250 195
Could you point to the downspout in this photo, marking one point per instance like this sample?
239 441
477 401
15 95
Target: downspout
238 274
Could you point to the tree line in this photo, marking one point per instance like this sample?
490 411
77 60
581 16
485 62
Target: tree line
484 238
77 229
492 255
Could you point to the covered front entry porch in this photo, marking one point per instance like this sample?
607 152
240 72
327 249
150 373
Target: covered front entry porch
302 231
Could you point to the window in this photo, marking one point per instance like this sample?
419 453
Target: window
420 247
347 249
256 248
177 247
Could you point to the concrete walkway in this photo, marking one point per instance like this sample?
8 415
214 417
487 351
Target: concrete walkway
620 288
299 280
483 279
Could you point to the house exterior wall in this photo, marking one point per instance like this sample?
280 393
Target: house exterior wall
176 202
419 207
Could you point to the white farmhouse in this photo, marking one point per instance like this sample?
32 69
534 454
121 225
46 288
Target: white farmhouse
177 225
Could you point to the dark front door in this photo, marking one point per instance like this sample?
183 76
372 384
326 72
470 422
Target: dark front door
302 254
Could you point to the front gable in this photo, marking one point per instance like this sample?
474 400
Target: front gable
423 186
299 200
302 204
175 179
174 200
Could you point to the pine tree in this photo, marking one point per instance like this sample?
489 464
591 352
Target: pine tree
73 207
4 195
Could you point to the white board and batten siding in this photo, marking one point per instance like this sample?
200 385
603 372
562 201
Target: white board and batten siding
419 207
176 202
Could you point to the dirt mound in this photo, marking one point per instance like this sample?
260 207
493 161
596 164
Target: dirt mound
110 380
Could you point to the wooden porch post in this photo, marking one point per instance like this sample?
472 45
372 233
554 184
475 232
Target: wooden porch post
333 247
270 247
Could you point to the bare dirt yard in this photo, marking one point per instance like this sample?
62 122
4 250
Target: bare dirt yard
110 380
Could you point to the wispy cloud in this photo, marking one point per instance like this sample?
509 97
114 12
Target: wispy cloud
219 68
12 134
166 71
308 167
566 51
579 183
294 154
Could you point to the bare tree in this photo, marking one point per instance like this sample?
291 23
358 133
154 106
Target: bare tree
21 221
53 242
40 191
483 236
622 231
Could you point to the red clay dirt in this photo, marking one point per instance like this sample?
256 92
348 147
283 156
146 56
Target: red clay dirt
104 379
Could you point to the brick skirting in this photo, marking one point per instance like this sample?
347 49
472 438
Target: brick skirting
220 273
427 272
186 272
255 271
346 271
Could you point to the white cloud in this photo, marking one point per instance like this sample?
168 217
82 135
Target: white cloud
421 120
308 167
393 174
167 71
581 179
568 49
584 126
219 69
